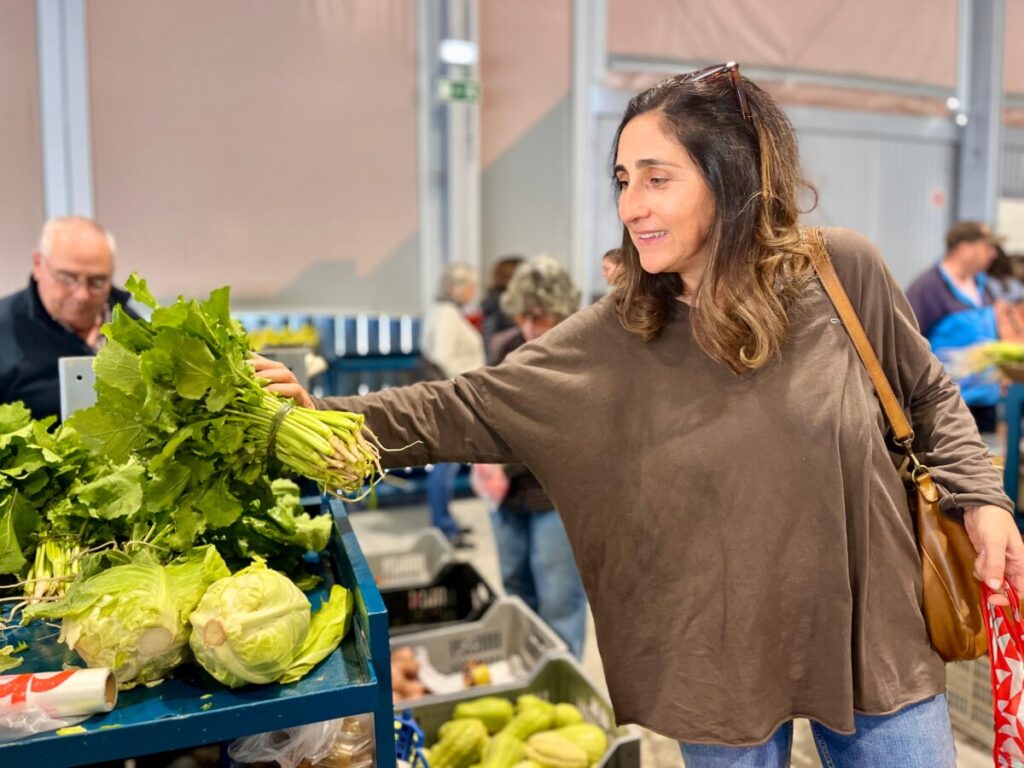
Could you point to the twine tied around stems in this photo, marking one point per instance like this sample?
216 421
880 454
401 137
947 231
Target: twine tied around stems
275 424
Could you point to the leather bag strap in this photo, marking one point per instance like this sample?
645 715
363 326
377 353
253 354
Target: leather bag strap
834 288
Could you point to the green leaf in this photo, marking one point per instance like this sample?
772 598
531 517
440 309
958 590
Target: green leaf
327 628
108 433
14 416
218 307
166 455
8 660
194 364
222 394
121 368
133 334
17 521
137 287
188 317
175 316
187 523
163 490
115 495
220 507
229 438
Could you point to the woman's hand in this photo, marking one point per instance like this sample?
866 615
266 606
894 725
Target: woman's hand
995 537
281 380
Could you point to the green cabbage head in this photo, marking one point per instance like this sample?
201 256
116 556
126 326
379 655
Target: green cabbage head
133 617
249 626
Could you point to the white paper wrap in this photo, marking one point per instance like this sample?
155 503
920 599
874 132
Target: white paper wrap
60 694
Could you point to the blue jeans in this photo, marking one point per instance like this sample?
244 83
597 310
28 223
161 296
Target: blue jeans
918 736
440 487
537 565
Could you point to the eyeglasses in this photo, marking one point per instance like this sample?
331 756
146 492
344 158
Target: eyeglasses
734 73
71 280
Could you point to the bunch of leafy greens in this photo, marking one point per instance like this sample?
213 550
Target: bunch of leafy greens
36 467
177 392
57 497
279 533
255 627
133 617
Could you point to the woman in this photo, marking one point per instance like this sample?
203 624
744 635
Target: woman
610 263
1004 284
451 346
719 457
534 551
495 321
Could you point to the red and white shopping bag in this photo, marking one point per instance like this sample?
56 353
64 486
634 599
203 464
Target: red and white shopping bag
1006 652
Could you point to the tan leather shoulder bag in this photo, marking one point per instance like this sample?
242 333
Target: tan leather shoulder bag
951 595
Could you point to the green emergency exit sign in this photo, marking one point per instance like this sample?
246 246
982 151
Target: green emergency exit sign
454 89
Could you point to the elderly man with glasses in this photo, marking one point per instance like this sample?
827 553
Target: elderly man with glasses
59 314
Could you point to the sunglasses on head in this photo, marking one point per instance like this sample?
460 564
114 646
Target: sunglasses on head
733 69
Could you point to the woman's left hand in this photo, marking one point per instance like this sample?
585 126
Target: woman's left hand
993 532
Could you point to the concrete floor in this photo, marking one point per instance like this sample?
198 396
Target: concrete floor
395 528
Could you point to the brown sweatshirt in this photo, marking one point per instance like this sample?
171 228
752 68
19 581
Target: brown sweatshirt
744 541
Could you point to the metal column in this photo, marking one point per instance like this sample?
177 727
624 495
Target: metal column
980 93
64 107
449 145
589 56
463 155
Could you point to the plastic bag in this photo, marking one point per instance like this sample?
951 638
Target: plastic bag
352 748
489 482
25 721
1006 653
328 744
287 747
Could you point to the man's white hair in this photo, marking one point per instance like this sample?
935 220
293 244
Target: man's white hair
57 223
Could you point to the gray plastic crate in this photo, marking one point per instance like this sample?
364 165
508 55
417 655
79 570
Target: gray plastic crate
414 566
969 691
77 384
509 628
560 679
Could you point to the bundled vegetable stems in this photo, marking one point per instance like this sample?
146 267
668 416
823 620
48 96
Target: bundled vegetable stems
325 446
57 563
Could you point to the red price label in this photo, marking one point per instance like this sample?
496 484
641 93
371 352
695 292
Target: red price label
18 686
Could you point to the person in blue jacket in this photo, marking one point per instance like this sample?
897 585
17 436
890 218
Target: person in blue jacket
954 309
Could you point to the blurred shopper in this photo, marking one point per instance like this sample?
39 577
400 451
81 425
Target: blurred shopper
68 299
1004 283
496 321
453 346
536 558
610 263
954 310
718 455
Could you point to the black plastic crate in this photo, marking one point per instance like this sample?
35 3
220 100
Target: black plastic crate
458 593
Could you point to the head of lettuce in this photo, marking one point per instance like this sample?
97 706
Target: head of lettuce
255 627
133 617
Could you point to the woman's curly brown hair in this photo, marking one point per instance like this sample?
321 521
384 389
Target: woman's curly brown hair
758 264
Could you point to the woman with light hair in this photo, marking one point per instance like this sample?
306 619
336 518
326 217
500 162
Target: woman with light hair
540 295
451 346
536 559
